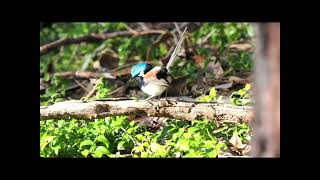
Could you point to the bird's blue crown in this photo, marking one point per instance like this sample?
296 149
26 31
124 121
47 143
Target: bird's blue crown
138 68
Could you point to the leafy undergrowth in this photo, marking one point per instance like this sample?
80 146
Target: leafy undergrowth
117 137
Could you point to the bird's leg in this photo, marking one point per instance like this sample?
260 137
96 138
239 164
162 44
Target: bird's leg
166 94
149 98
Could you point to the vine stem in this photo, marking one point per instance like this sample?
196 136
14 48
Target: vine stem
130 136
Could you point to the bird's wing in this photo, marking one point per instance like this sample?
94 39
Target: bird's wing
151 77
176 50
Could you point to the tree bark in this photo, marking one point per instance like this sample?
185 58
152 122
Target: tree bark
155 108
266 128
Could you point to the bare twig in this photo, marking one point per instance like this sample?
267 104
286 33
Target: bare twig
130 29
154 108
160 39
177 28
80 84
144 26
84 74
122 67
181 26
94 37
205 39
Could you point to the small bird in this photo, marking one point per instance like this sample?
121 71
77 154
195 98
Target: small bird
155 80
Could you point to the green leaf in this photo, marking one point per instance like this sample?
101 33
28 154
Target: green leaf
100 151
60 123
85 152
242 92
144 154
120 145
193 129
45 140
140 137
205 99
56 149
138 149
187 135
103 129
103 139
155 147
209 134
131 123
180 132
212 93
145 144
183 144
220 145
169 143
209 144
130 130
86 142
247 87
212 154
46 77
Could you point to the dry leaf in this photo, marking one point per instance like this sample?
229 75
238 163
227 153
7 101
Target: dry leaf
215 69
246 150
237 145
236 141
198 59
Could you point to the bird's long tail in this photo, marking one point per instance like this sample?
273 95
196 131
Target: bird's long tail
176 50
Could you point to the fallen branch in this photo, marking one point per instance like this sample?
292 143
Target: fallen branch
94 37
155 108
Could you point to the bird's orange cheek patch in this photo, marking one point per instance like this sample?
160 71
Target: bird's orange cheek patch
151 74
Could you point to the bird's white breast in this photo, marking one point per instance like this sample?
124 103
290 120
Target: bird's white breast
153 90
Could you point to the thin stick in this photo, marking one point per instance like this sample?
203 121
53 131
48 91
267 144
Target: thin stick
80 84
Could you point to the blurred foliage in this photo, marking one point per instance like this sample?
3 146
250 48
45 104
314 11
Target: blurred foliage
71 57
56 91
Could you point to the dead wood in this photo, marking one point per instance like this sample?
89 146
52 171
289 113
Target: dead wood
154 108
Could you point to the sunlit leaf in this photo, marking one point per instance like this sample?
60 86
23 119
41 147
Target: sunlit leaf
100 151
86 142
212 93
45 140
120 145
85 152
103 139
140 137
